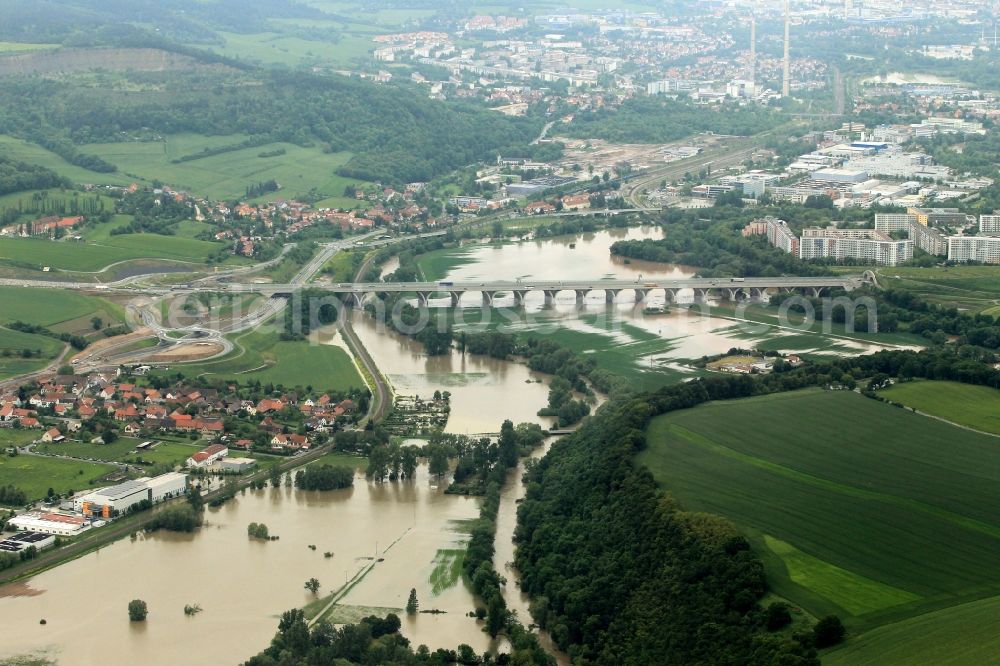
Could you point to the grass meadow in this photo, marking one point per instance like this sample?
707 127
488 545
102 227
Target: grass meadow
856 507
973 406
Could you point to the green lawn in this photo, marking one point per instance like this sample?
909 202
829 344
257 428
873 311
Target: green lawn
269 359
974 406
856 507
117 451
35 474
226 176
964 634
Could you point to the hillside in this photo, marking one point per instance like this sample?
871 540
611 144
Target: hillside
82 60
395 134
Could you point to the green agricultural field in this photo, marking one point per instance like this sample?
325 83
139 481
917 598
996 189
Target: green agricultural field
13 343
51 307
974 406
88 257
226 176
36 474
965 634
856 507
35 154
266 358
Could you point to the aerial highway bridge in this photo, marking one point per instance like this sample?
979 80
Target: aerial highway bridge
356 292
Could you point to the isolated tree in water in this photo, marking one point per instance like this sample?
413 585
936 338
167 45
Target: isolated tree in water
312 585
137 610
411 603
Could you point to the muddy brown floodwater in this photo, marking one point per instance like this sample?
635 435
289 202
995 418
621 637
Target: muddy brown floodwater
244 585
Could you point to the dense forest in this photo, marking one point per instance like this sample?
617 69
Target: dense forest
619 574
396 134
658 120
17 176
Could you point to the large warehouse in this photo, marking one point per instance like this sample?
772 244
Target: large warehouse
165 486
113 500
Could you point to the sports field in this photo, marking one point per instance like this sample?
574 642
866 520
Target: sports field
857 508
973 406
227 175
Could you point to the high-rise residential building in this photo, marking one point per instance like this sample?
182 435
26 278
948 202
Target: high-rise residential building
984 249
865 245
889 222
989 225
928 239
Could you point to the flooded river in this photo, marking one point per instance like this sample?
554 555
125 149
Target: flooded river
244 585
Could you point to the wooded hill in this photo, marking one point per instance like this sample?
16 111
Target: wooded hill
397 134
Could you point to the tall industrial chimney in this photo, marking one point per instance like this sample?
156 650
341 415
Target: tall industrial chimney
753 53
786 78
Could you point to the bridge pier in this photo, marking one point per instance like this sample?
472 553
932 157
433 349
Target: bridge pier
550 296
580 295
732 293
488 297
817 291
756 294
423 297
640 294
519 295
670 295
455 298
610 295
701 295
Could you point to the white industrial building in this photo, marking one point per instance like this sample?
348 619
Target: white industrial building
24 540
984 249
166 486
236 465
113 500
50 523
